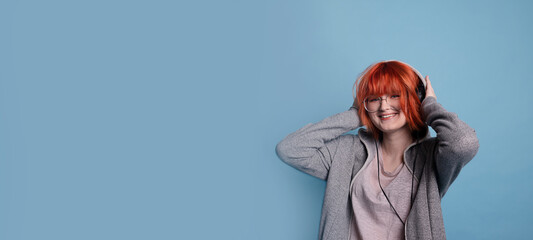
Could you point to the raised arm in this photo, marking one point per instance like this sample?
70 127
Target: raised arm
312 148
456 144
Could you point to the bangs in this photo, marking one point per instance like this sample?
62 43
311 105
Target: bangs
384 82
387 78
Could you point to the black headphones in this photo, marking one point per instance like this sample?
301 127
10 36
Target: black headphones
421 87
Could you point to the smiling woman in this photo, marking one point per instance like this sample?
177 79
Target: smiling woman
404 83
387 181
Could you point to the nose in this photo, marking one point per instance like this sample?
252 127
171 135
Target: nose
384 103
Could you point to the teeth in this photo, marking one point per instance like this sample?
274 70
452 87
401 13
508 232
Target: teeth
386 116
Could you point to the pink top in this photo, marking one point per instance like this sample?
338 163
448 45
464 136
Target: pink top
373 216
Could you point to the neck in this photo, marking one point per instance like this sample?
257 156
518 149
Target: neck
394 145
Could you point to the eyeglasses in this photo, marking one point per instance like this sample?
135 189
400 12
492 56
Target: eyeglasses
373 103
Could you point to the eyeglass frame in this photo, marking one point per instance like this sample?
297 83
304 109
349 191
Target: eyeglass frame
380 102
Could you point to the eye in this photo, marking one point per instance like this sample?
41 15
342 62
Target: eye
395 96
373 99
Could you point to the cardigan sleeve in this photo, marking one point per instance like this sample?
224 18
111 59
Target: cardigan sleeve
456 143
311 149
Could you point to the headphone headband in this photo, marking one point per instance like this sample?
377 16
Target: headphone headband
414 70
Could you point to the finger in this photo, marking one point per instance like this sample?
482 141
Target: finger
427 81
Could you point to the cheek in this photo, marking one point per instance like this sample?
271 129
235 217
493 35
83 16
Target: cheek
374 118
403 118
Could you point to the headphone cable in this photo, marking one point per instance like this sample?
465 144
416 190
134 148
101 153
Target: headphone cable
412 183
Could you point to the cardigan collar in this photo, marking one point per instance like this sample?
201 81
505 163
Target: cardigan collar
369 141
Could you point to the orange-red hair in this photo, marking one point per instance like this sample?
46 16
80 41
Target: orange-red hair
387 78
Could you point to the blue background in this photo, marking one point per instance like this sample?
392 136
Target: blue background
159 119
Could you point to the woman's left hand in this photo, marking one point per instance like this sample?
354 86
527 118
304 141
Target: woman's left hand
429 89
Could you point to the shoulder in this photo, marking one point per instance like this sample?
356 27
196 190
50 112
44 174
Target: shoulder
345 142
346 145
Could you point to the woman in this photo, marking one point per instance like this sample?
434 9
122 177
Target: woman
387 181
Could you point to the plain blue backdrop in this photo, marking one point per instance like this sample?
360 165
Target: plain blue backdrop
159 119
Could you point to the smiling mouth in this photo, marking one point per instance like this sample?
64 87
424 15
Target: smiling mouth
388 116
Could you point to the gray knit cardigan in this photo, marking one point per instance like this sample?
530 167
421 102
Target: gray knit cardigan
323 150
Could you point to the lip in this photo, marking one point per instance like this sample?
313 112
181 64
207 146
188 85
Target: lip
392 115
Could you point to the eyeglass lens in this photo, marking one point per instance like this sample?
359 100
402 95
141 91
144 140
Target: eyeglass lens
373 103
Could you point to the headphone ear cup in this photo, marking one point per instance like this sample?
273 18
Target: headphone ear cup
421 90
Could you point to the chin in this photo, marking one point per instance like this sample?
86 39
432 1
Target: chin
392 125
391 128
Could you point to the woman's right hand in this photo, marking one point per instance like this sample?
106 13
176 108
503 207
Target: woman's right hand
429 89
